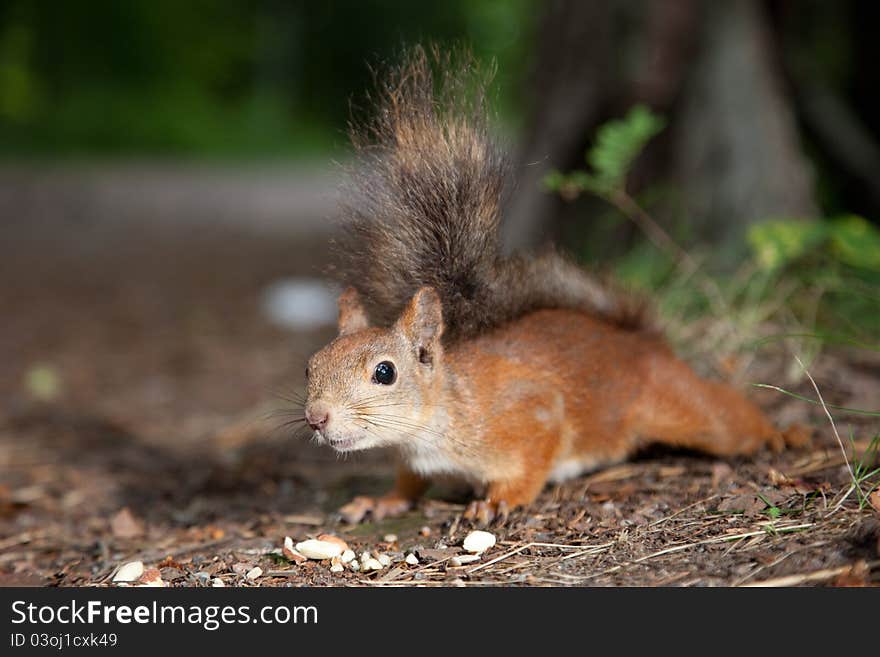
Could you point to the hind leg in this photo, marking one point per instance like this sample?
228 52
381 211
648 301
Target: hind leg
679 408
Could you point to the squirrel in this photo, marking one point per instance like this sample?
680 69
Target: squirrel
504 372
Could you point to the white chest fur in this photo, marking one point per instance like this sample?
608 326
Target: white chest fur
429 460
571 468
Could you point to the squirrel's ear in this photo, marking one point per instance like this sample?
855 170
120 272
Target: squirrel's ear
352 316
422 323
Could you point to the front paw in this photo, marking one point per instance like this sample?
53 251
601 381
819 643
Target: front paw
483 512
377 507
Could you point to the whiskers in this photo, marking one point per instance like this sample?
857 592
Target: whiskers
378 416
375 415
291 418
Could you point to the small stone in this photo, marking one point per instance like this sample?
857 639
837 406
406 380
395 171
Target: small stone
203 577
217 583
254 573
390 538
425 531
330 538
318 549
129 572
478 541
171 574
348 556
239 568
383 559
372 564
412 559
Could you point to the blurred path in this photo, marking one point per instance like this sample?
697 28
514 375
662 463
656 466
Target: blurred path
283 198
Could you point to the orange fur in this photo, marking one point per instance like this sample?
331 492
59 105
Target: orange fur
555 391
508 370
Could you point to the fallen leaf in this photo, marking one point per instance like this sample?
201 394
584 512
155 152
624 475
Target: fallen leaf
748 504
151 576
874 499
856 576
125 525
779 479
721 473
170 574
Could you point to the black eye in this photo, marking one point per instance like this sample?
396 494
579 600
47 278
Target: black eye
384 373
307 372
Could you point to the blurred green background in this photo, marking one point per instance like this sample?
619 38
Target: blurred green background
769 107
220 78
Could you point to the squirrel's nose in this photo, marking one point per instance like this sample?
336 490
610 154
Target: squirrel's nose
317 417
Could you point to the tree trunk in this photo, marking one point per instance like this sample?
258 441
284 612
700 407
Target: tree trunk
737 150
711 68
568 84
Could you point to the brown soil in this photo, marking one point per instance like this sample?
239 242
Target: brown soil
154 447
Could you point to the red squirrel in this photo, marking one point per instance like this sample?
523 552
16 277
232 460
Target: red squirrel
505 372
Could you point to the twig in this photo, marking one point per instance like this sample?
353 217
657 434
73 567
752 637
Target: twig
501 558
815 576
682 510
661 239
852 474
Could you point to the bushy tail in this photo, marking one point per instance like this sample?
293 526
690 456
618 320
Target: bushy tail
423 208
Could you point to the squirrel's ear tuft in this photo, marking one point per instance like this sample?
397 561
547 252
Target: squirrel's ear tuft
352 316
422 323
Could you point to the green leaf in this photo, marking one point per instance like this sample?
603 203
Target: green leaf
554 180
618 143
779 242
856 242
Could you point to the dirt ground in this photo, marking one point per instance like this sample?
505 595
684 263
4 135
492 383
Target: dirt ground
150 441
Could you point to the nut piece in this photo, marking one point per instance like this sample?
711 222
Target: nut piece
254 572
318 549
390 538
348 556
290 553
412 559
330 538
217 583
478 541
372 564
383 559
129 572
462 559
